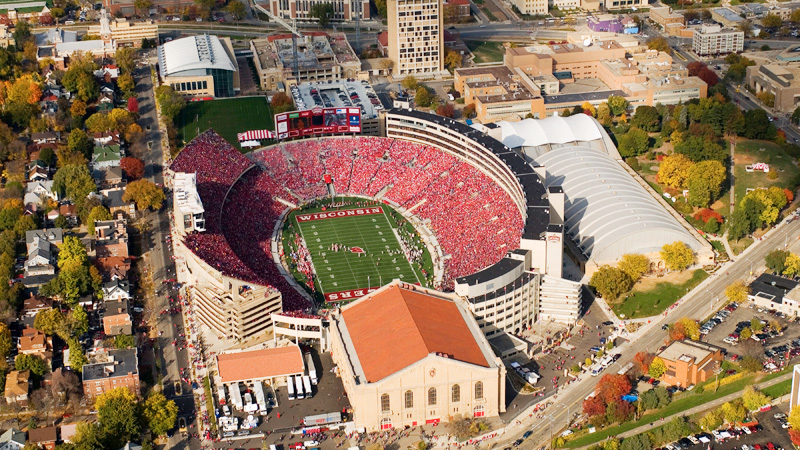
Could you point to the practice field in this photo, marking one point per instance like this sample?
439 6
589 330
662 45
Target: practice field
368 254
228 117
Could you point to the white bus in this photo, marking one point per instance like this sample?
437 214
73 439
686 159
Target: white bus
290 387
307 386
298 384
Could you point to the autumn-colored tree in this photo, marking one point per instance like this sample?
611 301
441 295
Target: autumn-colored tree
737 292
446 110
657 368
612 387
133 133
677 255
78 109
133 105
145 194
594 406
133 167
677 332
635 265
674 170
691 328
643 359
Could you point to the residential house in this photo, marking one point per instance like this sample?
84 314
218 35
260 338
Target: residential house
46 137
35 304
115 204
117 319
17 387
106 156
117 290
105 103
689 362
40 259
111 238
12 439
38 171
118 368
113 268
108 72
44 437
110 179
69 430
38 192
49 104
107 138
69 212
35 342
54 236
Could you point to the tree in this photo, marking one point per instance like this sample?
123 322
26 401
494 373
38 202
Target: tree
794 419
35 364
323 12
745 334
145 193
792 265
409 82
51 321
126 84
133 167
125 60
22 34
143 5
65 386
759 125
647 118
751 363
610 282
711 420
698 148
690 327
170 103
99 123
452 59
78 321
73 182
124 341
281 103
118 413
446 110
753 399
205 6
77 359
659 44
5 340
677 255
674 170
79 142
589 109
612 387
97 213
733 411
469 111
772 21
737 292
643 359
657 368
133 105
635 265
423 96
24 224
633 143
121 119
705 182
160 413
637 442
594 406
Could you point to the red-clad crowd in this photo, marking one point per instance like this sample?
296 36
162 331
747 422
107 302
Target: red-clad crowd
475 221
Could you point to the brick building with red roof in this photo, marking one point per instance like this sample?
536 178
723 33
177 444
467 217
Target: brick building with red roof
410 356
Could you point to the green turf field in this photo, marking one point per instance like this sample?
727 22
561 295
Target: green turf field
345 270
226 116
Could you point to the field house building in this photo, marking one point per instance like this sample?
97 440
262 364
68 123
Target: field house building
202 65
427 363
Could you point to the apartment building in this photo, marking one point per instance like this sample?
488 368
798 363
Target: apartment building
664 16
715 40
415 37
116 368
343 11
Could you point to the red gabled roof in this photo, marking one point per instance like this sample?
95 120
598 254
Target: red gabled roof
413 324
383 38
260 364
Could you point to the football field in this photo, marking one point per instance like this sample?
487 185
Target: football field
353 249
227 117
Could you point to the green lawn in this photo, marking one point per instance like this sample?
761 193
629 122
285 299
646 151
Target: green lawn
779 390
226 116
654 301
486 51
349 268
766 152
681 403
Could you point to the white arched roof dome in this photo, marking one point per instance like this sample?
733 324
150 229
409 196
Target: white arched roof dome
552 130
608 214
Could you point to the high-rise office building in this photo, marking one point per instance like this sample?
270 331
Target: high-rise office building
415 36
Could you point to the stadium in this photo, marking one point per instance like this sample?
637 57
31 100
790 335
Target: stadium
472 202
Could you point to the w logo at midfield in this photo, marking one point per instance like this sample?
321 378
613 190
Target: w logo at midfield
357 250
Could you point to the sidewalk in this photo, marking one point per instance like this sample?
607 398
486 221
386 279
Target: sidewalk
700 408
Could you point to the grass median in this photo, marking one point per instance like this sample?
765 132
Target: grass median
681 403
779 389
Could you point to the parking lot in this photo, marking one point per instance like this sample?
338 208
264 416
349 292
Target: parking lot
768 431
328 397
727 332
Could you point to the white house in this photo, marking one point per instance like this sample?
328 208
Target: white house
37 192
116 290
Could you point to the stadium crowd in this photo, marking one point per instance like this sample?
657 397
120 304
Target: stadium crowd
457 200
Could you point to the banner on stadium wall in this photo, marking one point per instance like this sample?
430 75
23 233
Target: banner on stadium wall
317 121
255 135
